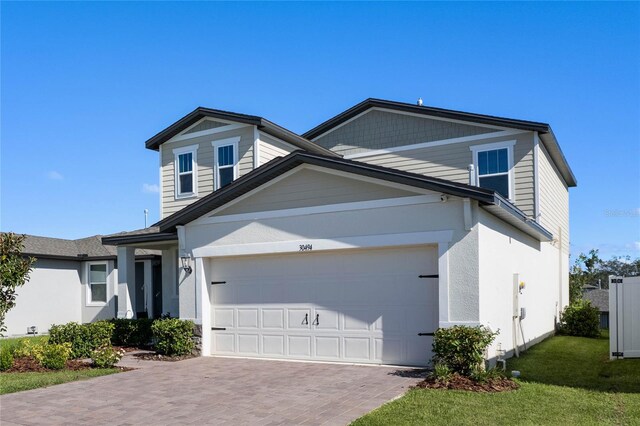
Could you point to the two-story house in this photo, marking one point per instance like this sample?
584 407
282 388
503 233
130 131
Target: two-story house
355 240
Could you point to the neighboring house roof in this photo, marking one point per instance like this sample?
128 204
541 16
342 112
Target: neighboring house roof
493 201
150 234
598 298
262 124
543 129
89 248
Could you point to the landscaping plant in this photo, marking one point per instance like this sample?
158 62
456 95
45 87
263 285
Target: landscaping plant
131 332
6 359
30 348
580 319
14 271
55 356
461 348
106 356
84 338
173 336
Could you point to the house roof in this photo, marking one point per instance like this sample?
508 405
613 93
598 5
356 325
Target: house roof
543 129
89 248
491 199
263 124
598 298
146 235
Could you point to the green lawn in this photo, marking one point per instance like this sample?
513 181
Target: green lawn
565 380
15 382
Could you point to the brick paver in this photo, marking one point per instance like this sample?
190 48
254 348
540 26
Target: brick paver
212 391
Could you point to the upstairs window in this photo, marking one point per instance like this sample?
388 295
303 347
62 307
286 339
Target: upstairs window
186 166
494 167
226 161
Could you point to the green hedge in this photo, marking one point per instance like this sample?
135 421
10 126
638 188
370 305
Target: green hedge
132 332
84 338
580 319
461 348
173 336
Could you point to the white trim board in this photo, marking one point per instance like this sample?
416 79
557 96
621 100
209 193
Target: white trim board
412 114
336 243
326 208
207 132
502 133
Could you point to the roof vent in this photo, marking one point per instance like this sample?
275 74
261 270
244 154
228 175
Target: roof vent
419 102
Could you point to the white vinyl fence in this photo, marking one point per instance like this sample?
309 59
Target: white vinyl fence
624 317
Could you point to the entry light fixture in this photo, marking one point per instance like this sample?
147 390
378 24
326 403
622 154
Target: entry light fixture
186 263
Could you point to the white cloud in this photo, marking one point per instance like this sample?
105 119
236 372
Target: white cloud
150 188
53 175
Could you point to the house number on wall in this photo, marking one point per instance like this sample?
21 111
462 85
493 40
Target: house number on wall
306 247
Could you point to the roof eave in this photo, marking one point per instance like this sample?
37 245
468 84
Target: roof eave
142 238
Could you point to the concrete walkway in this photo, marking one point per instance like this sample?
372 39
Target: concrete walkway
213 391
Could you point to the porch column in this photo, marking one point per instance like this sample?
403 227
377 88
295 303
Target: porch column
126 281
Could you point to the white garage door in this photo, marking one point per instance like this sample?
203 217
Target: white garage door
364 306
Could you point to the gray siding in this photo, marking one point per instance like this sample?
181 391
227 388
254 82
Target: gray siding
205 125
554 199
271 148
380 129
205 165
451 162
308 188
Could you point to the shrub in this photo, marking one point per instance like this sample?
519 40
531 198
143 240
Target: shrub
580 319
6 359
106 357
55 356
84 338
461 348
131 332
27 348
441 372
173 336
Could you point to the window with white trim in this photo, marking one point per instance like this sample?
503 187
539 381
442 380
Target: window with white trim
97 283
226 161
494 167
186 182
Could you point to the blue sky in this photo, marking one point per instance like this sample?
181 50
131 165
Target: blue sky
83 85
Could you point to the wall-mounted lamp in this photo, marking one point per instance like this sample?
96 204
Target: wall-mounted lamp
186 264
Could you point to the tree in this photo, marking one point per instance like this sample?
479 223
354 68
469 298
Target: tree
14 271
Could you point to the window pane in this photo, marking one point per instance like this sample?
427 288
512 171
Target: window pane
499 184
226 176
186 163
482 163
225 155
186 183
503 162
98 292
493 162
98 273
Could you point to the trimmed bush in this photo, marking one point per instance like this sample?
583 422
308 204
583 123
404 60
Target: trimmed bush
461 348
6 359
55 356
173 336
84 338
580 319
131 332
27 348
106 357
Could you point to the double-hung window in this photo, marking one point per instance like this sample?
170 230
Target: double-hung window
97 283
494 167
226 161
186 171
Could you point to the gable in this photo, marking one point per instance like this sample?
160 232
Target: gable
205 125
308 187
377 129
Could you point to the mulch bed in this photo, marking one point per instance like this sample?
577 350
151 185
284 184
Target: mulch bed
28 364
149 356
457 382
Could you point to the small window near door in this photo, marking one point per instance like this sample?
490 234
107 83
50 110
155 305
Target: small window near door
97 284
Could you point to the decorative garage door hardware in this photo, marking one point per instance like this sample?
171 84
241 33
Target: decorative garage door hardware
218 282
426 334
317 320
218 328
305 321
429 276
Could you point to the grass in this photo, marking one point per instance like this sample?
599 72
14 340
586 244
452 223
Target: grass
16 382
565 380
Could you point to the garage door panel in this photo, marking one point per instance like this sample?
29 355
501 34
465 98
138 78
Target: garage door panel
327 347
248 344
273 345
299 346
389 350
224 342
357 348
248 318
326 320
223 294
298 318
391 321
354 320
223 317
273 318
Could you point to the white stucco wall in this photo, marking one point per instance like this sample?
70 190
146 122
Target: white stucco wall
505 251
53 295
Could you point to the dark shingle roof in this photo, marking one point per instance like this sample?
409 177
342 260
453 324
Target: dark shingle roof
83 248
598 298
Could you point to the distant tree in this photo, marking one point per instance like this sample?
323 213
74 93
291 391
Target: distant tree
14 271
590 269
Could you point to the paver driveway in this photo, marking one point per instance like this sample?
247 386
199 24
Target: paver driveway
213 391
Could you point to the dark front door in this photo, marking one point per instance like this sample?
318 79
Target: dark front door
156 281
